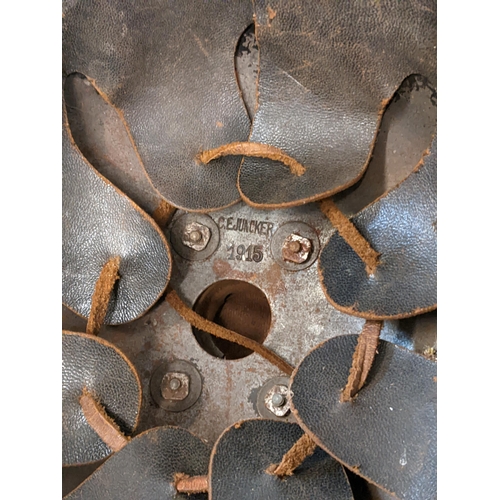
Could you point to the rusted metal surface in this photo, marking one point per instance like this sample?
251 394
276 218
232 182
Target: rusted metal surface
301 319
296 249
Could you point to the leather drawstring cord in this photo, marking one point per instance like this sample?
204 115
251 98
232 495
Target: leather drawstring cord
190 484
102 423
201 323
255 149
362 359
302 449
351 235
163 213
102 295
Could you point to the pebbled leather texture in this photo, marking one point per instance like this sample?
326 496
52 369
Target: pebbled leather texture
388 433
168 66
144 469
96 365
402 227
327 71
243 453
100 222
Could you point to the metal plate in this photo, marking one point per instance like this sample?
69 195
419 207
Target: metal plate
301 318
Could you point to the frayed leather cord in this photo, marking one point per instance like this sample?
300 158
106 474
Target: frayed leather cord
351 235
302 449
362 359
102 295
255 149
163 213
201 323
190 484
102 423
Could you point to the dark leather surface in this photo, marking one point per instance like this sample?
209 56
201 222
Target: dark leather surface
388 433
326 72
100 222
402 227
145 468
244 452
95 364
169 67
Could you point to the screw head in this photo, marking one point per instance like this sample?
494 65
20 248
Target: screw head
294 246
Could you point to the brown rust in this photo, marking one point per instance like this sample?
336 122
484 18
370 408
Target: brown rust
296 249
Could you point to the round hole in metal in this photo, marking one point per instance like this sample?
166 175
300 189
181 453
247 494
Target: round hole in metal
235 305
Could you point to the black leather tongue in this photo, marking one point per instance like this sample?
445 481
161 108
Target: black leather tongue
387 434
244 452
402 227
99 222
169 68
145 468
93 364
327 71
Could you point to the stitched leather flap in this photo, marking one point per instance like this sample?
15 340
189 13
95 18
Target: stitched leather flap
145 468
98 223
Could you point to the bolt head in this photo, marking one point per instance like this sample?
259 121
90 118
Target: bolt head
175 383
296 249
175 386
196 236
278 399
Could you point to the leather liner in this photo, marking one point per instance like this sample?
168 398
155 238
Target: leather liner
387 435
402 226
100 222
327 70
94 364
